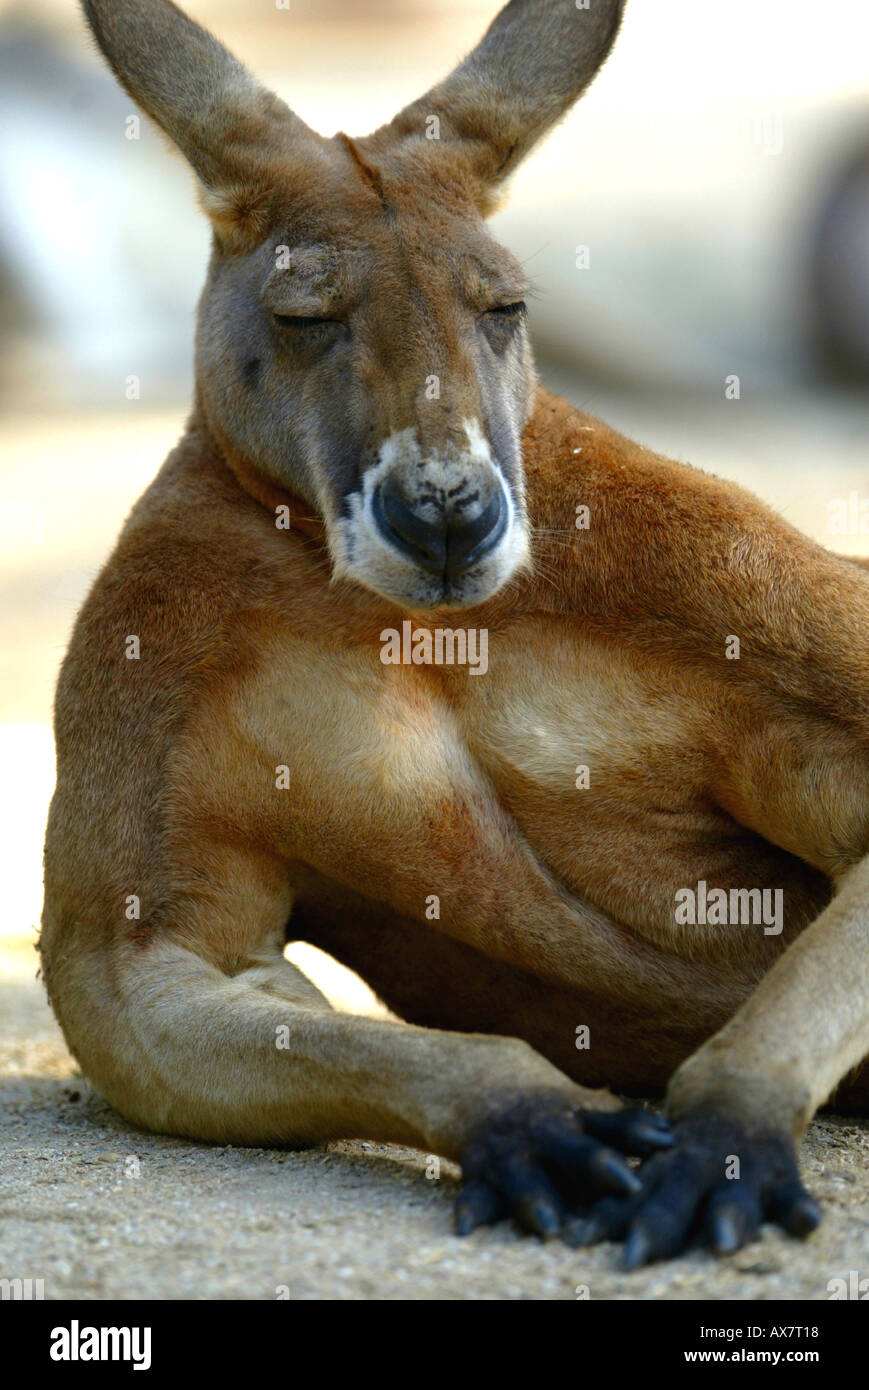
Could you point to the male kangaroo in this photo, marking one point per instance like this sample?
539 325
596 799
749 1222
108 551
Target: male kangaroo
673 712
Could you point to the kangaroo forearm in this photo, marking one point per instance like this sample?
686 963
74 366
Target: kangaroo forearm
230 1059
803 1029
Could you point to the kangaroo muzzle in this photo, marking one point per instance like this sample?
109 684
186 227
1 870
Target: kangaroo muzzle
447 532
432 526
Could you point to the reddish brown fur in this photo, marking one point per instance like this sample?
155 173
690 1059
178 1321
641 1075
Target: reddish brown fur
646 606
609 649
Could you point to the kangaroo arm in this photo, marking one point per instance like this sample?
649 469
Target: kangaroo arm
259 1057
803 1029
795 770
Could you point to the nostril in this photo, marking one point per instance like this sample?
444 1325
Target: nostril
468 541
423 539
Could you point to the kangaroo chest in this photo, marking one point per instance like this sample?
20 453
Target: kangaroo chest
418 783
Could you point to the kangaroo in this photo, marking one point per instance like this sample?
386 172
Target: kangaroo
533 859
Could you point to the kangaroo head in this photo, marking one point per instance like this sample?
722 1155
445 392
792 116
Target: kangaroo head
361 338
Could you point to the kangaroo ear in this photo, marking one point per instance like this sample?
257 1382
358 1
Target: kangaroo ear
228 127
533 62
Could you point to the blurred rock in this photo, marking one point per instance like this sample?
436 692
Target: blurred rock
839 277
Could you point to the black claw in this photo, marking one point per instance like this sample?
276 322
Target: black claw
478 1204
613 1174
580 1230
464 1223
803 1217
648 1139
607 1220
541 1217
727 1233
657 1120
568 1156
585 1230
530 1195
638 1248
632 1131
734 1212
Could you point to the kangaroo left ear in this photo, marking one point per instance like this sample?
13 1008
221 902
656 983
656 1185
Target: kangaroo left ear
231 130
534 61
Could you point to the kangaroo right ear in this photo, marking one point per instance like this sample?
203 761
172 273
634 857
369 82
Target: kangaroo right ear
532 63
228 127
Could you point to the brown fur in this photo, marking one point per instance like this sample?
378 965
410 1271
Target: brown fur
608 649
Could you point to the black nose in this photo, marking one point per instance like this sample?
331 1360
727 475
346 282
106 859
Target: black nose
443 540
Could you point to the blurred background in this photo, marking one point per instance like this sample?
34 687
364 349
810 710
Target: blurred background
697 232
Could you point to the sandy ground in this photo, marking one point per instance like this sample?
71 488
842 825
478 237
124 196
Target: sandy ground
100 1210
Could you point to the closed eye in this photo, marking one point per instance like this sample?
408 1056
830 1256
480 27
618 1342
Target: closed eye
500 325
510 311
300 321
